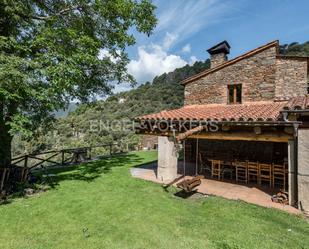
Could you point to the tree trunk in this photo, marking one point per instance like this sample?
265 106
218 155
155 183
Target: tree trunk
5 139
5 146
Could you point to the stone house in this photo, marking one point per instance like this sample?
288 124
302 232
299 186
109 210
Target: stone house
250 113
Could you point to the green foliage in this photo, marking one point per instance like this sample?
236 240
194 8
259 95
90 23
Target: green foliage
49 55
295 49
165 92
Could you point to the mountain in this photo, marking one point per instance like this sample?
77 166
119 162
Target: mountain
111 119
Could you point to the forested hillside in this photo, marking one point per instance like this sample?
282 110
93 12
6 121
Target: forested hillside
88 124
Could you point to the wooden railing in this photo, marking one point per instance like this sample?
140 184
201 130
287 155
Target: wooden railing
21 165
63 156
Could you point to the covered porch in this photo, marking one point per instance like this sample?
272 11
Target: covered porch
260 163
241 156
265 160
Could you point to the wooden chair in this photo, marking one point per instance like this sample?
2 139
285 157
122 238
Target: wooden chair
241 171
216 168
205 168
279 176
228 169
265 173
253 172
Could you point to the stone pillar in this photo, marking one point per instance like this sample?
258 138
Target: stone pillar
303 169
167 159
291 177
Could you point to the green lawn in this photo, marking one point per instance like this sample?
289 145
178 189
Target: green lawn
123 212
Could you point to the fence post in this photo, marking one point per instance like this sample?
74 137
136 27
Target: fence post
110 149
2 178
62 157
26 161
89 156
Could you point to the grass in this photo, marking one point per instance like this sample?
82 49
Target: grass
99 205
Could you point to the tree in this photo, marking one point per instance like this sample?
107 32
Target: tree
49 55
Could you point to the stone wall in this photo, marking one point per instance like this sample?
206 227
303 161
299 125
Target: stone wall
217 59
264 77
303 169
291 77
256 74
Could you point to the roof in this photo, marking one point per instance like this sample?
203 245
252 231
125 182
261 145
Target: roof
243 112
230 62
250 112
219 48
297 103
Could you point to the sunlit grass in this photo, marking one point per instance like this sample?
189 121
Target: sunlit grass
99 205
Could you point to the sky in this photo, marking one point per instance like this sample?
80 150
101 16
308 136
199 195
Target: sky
187 28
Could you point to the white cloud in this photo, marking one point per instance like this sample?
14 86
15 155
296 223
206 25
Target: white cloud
186 48
104 53
185 18
153 60
122 87
193 59
169 39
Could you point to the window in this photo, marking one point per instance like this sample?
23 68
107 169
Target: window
234 94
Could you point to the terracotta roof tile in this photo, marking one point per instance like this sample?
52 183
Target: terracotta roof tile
245 112
250 112
297 103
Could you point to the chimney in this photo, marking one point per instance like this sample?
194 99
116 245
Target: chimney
218 53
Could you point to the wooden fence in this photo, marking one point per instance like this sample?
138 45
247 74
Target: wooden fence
21 165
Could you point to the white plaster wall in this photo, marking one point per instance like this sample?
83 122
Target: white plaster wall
167 159
303 169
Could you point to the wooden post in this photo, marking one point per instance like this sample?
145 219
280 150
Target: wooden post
110 149
26 161
89 155
62 157
22 174
234 94
184 157
2 179
196 159
26 174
